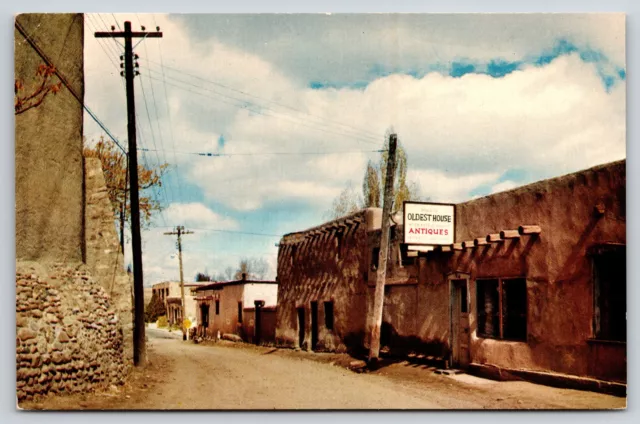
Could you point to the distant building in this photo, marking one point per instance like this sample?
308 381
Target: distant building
547 297
243 307
169 293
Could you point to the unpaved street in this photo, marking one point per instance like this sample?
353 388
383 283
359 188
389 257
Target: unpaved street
184 375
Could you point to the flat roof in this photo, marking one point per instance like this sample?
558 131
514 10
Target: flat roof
221 284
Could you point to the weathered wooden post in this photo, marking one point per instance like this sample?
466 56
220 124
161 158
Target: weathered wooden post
378 302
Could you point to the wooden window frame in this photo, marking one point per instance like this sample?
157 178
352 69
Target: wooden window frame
500 305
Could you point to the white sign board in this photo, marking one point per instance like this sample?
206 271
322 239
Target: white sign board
428 223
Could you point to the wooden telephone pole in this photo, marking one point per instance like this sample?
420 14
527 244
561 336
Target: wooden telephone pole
179 232
139 346
378 302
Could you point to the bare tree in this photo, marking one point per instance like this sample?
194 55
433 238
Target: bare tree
348 201
253 268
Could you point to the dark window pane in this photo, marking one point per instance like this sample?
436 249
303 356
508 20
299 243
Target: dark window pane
375 255
611 295
488 308
328 315
217 307
463 298
240 312
514 309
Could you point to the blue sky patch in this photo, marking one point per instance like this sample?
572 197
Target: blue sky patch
496 68
459 69
499 68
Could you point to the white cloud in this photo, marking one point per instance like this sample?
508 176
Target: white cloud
198 215
450 188
503 186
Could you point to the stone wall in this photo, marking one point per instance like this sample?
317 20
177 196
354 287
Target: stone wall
68 337
48 155
103 255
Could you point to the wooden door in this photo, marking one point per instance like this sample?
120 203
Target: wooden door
314 325
301 327
460 334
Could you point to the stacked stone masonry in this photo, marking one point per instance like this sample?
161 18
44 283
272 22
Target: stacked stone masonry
68 337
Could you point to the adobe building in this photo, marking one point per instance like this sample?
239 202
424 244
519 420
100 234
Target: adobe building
245 308
535 283
170 294
322 273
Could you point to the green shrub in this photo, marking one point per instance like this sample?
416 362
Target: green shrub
154 309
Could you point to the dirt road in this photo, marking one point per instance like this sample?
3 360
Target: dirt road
183 375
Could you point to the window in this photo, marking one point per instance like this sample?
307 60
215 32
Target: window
328 315
375 256
463 299
217 307
502 308
240 312
488 312
610 295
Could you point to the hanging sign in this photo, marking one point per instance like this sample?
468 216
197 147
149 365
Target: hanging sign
428 223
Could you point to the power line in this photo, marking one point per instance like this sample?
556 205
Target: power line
372 134
230 231
64 80
153 138
209 154
243 105
166 97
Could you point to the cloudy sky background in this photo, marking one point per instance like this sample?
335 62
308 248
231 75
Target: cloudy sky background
295 105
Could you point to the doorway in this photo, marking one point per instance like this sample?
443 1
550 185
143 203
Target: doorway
301 327
314 325
204 318
460 334
258 324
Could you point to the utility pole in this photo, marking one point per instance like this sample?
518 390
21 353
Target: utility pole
139 345
378 302
179 232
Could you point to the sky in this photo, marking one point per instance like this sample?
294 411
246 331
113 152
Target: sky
292 107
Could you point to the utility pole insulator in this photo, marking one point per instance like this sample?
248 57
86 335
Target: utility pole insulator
139 343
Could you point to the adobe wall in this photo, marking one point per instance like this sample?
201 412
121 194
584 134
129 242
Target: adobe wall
227 320
555 264
312 268
103 255
267 326
48 151
67 334
260 291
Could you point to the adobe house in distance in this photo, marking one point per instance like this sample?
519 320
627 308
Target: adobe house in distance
535 283
222 306
169 293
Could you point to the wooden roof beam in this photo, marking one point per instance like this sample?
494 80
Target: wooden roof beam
529 229
509 234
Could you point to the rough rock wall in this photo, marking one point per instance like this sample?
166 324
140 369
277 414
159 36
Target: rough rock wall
67 334
49 204
103 256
